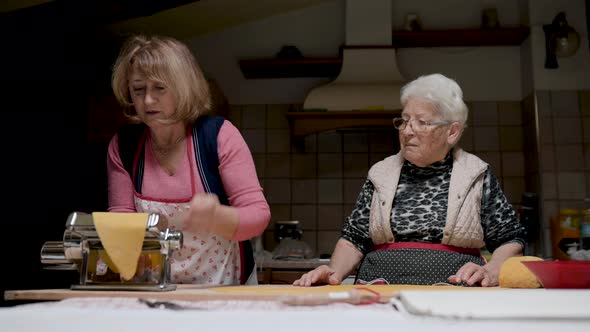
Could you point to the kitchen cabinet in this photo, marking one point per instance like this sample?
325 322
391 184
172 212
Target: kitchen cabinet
304 123
330 66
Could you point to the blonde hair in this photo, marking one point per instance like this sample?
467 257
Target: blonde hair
165 60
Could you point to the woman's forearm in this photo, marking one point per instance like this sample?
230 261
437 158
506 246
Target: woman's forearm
501 254
345 259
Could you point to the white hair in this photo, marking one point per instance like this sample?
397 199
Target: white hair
442 92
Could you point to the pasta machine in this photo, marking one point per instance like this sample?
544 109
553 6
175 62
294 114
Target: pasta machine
82 250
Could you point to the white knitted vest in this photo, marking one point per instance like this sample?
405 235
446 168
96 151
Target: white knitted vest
463 226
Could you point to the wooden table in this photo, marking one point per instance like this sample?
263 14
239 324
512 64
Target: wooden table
207 293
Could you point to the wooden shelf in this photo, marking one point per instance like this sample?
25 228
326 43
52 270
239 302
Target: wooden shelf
330 66
305 123
460 37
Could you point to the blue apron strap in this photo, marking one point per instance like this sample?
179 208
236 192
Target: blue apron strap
205 131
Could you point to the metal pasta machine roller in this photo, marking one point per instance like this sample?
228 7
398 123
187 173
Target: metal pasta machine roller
82 250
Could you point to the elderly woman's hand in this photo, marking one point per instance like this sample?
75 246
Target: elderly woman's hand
320 275
472 273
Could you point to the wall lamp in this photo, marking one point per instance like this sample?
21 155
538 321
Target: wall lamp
561 40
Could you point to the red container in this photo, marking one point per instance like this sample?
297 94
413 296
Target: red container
561 274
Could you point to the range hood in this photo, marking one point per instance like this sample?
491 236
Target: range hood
369 78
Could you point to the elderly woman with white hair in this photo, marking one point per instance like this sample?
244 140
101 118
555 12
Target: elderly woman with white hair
423 214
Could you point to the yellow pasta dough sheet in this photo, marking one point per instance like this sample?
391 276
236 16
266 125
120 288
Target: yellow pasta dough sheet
122 236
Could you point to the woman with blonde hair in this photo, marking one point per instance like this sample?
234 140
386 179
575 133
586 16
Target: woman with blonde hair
194 169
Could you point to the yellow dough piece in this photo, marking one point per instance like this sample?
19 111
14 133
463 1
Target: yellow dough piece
514 274
122 236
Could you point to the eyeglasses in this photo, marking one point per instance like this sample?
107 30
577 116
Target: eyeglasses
418 125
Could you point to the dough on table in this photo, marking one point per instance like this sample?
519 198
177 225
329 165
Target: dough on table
514 274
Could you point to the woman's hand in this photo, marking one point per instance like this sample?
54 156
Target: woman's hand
201 215
472 274
206 214
320 275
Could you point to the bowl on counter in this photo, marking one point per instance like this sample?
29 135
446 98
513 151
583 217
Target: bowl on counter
561 273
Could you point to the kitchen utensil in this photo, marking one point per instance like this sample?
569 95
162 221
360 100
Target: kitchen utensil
561 273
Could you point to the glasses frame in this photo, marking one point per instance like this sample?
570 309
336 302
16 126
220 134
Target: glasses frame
421 126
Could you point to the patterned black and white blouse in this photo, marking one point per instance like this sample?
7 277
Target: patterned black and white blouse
420 209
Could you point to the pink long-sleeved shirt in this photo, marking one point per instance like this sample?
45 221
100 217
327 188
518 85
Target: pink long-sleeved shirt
236 168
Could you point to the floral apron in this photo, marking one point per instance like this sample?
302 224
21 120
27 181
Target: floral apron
204 258
414 263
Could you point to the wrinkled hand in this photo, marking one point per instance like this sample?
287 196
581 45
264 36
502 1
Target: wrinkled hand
320 275
472 274
200 217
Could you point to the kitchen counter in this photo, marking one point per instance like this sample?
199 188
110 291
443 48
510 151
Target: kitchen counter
285 271
291 264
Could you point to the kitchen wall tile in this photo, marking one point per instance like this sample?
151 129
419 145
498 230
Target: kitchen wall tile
276 116
543 104
494 159
355 165
311 238
329 165
548 158
513 187
327 241
329 191
303 165
549 185
509 113
486 139
569 157
279 212
329 141
256 140
384 141
235 115
546 130
377 157
304 191
512 164
260 164
278 140
587 156
355 142
586 129
584 97
253 116
565 104
310 143
278 165
466 141
485 113
470 113
330 217
307 215
571 185
511 138
352 188
278 191
567 130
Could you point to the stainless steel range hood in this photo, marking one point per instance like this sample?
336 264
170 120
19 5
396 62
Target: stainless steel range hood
369 78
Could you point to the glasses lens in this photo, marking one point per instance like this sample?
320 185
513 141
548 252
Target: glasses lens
399 123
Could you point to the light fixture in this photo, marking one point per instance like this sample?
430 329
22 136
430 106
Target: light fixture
561 40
